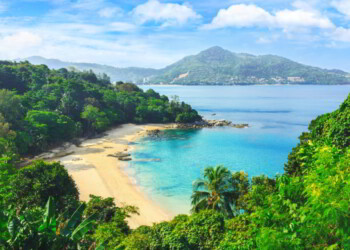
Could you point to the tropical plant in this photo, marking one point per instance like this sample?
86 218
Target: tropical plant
41 107
215 191
32 186
25 231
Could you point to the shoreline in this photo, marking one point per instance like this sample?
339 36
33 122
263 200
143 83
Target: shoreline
96 173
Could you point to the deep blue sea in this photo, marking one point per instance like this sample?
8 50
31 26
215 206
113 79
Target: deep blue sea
276 114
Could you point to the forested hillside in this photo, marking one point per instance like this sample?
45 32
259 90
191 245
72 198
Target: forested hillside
308 207
217 66
40 107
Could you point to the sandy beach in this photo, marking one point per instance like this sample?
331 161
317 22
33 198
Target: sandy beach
96 173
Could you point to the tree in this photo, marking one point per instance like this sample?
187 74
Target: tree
68 105
112 227
128 87
214 191
37 104
152 93
47 127
11 78
96 120
241 186
7 172
33 185
7 140
25 231
11 107
202 230
105 208
187 117
52 125
89 76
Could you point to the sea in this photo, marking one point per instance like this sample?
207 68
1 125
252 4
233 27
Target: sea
165 167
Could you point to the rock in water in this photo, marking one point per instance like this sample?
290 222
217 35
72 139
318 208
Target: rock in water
208 124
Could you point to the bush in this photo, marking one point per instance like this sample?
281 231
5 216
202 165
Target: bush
33 185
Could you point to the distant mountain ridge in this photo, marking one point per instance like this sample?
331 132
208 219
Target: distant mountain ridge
131 74
216 66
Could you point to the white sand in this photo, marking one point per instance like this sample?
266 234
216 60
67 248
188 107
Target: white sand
96 173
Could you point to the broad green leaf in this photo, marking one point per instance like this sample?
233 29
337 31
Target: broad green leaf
49 217
12 227
76 217
100 247
83 227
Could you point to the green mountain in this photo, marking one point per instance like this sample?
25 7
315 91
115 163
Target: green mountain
216 66
222 67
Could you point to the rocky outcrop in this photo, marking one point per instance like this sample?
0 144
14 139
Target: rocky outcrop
208 124
121 156
125 159
154 132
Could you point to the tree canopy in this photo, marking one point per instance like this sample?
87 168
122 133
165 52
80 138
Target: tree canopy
307 207
43 107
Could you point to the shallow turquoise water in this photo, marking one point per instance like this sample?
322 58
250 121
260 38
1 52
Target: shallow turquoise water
277 115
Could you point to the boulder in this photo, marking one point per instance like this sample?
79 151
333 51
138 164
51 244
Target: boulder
154 132
118 155
207 124
124 159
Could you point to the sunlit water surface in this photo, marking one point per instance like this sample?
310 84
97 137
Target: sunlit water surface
276 114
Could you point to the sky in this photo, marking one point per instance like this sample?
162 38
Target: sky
156 33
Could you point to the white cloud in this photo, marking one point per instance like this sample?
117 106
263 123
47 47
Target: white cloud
294 19
341 34
243 15
263 40
109 12
78 28
69 42
88 4
343 6
122 27
167 13
15 44
309 5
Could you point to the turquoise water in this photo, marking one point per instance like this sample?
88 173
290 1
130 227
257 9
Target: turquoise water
277 115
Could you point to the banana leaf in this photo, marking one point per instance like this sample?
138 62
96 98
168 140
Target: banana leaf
83 228
76 217
49 222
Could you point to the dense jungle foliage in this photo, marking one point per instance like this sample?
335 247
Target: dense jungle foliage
308 207
40 107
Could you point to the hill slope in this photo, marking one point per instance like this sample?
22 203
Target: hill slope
40 107
219 66
216 66
131 74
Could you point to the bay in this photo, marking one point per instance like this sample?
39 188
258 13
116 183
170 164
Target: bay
277 115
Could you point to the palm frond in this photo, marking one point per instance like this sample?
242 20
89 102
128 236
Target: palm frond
199 195
201 204
199 183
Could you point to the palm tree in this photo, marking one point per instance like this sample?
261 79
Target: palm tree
215 191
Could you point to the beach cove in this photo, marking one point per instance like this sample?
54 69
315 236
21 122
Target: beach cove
162 189
99 174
